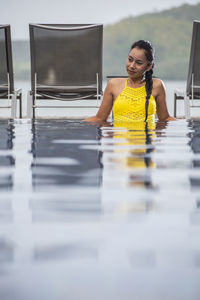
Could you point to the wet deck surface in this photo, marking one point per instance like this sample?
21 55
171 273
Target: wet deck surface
90 212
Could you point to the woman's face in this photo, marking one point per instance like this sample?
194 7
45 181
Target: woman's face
137 64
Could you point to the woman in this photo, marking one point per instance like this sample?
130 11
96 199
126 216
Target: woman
139 97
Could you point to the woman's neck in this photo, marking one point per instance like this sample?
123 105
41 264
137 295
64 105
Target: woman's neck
136 82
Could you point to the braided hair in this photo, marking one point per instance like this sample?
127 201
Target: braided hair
149 52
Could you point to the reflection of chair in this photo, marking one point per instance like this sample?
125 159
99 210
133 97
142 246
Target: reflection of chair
193 79
7 90
66 64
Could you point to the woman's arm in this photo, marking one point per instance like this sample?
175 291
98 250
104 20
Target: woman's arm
162 111
105 107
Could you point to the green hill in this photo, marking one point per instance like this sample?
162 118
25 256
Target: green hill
21 60
169 31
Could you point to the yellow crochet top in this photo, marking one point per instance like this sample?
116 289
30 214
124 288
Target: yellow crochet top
130 105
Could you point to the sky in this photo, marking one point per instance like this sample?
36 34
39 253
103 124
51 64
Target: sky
19 13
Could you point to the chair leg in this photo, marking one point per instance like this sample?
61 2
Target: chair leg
175 105
13 105
187 106
20 105
34 99
29 105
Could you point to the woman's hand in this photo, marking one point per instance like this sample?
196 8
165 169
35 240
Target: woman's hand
170 118
92 119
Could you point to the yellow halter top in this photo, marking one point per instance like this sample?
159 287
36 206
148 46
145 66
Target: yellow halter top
130 105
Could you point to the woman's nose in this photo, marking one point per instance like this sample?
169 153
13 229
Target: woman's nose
132 64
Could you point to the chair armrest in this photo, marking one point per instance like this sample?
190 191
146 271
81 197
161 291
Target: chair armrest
19 90
180 93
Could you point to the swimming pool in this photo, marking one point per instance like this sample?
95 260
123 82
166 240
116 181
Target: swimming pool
91 212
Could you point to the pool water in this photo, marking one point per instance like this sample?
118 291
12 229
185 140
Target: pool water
99 212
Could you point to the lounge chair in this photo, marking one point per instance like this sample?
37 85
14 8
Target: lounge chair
66 64
193 80
7 90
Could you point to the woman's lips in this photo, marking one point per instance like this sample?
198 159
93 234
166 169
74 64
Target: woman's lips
131 71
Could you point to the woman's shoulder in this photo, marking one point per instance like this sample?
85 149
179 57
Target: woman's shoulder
158 88
117 81
158 83
115 86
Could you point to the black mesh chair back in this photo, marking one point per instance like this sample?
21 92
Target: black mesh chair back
193 79
66 60
6 66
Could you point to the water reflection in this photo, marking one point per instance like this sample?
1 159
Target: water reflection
61 165
6 252
7 160
70 251
81 204
142 259
147 167
127 163
57 157
7 164
132 144
114 206
195 146
131 151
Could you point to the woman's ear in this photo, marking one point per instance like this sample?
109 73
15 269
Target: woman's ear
149 67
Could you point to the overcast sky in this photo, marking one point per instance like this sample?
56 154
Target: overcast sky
19 13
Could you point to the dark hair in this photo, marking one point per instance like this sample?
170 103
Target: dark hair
149 52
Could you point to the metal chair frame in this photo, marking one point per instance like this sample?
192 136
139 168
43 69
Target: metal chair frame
35 93
192 91
8 92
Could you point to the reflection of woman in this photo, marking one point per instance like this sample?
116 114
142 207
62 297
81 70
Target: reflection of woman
139 97
128 163
137 146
